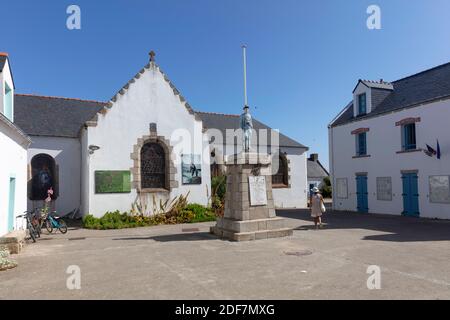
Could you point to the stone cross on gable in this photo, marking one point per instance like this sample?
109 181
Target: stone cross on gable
152 55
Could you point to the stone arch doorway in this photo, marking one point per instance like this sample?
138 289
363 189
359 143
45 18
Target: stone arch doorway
44 175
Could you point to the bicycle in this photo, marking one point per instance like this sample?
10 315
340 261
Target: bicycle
52 222
28 215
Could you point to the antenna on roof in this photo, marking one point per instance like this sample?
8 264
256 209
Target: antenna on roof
244 48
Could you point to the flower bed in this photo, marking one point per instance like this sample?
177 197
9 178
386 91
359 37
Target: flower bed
117 220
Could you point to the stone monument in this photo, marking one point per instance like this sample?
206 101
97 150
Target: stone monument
249 207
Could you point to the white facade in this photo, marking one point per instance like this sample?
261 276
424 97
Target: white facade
67 155
13 179
385 159
13 162
150 99
147 109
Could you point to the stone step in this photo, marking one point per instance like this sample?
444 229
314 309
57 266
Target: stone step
239 226
248 236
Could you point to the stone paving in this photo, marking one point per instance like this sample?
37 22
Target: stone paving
186 262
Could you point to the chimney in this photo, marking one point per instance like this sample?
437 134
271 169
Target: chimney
314 157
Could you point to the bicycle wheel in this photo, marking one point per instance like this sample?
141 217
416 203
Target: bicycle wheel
48 226
62 226
37 227
32 232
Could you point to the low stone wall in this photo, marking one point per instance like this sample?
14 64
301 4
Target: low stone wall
13 241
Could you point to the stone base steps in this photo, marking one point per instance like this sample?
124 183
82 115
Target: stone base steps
249 236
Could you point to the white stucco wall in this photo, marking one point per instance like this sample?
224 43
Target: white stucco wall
150 99
296 196
383 142
13 164
67 155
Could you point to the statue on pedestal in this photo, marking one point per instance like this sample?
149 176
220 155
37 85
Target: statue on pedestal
246 125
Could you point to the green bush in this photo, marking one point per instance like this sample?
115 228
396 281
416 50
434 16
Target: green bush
218 189
326 188
200 213
189 213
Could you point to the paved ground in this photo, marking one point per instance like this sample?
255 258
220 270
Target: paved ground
166 263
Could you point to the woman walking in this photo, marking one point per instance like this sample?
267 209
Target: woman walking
317 207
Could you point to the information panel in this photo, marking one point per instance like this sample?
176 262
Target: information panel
112 181
258 191
342 188
439 189
384 188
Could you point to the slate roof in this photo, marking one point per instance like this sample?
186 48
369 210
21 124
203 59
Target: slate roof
231 121
53 116
315 169
64 117
424 87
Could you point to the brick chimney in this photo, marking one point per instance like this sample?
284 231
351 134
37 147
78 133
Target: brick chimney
314 157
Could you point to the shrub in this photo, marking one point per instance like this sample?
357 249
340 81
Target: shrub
326 188
218 190
180 213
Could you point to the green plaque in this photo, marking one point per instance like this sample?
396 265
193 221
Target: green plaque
112 181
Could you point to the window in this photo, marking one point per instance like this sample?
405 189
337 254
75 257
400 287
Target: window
362 105
44 177
280 179
153 166
409 136
8 103
361 144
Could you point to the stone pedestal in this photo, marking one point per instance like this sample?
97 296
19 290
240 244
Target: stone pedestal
249 208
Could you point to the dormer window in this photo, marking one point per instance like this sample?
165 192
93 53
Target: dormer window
362 104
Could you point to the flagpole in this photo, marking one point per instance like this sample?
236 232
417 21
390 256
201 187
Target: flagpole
244 48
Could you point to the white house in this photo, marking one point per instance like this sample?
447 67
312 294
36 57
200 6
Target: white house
390 147
144 146
13 162
316 171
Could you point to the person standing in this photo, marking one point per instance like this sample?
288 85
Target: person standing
317 207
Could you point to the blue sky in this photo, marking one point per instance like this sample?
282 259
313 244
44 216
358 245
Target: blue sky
304 57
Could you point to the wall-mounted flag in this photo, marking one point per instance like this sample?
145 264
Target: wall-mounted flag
430 151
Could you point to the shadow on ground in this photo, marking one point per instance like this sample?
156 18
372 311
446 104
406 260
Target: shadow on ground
398 228
197 236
